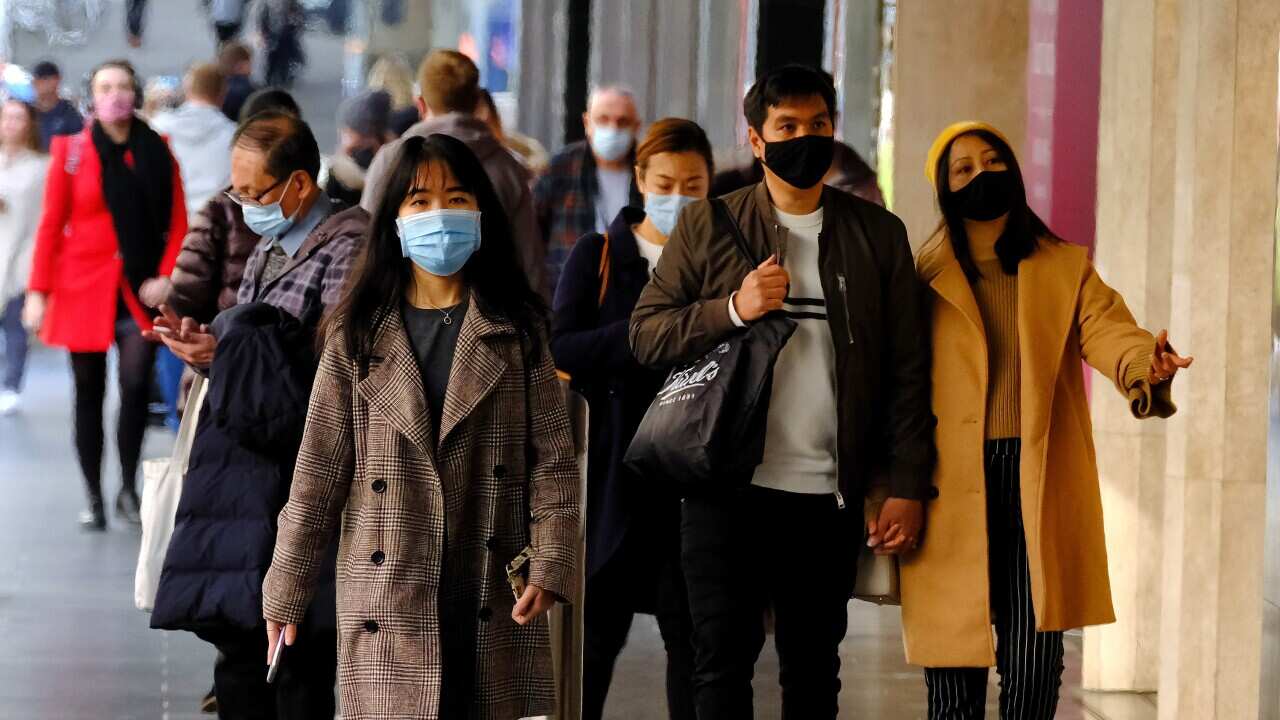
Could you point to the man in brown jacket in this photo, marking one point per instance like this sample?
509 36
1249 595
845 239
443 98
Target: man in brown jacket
450 85
850 401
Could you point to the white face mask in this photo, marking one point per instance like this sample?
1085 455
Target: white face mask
611 143
664 210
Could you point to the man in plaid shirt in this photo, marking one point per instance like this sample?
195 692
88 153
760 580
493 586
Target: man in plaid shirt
589 181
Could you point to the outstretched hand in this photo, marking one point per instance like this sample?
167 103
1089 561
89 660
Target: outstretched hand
1165 363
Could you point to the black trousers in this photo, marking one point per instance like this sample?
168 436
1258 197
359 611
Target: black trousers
89 371
608 614
1029 662
304 684
745 550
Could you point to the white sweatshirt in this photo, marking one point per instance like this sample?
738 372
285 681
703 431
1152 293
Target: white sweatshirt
800 442
200 137
22 190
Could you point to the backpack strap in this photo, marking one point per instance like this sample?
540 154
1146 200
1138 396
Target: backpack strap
604 271
725 218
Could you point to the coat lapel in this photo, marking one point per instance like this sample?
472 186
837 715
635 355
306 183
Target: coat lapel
394 385
476 369
1048 289
949 281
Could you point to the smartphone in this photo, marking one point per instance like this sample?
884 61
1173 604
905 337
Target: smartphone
275 659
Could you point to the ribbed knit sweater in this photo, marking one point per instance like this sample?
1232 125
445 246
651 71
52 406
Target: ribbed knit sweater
997 296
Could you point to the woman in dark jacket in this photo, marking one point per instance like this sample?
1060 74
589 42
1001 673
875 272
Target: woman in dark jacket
633 523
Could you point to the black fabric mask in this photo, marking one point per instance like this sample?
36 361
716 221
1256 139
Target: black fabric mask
363 157
801 162
987 196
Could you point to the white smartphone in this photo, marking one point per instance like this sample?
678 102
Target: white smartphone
275 659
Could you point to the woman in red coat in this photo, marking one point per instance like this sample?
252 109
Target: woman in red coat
113 224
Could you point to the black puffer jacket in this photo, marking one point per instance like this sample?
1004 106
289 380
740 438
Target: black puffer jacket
239 474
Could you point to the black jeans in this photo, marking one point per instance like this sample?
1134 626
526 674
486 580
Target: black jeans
746 550
304 685
89 369
1029 662
608 614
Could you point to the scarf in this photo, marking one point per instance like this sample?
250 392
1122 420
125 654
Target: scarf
140 198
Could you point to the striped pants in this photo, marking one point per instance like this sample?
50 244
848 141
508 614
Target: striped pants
1029 662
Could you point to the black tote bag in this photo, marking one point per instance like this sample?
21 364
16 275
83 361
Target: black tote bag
705 429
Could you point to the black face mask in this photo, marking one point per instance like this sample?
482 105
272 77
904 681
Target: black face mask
801 162
363 157
987 196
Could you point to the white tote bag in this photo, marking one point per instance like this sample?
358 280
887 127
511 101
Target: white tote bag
160 494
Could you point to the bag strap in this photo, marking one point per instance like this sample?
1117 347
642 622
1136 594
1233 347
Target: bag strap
722 212
604 271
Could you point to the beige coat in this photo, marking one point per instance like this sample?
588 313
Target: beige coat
1065 314
503 476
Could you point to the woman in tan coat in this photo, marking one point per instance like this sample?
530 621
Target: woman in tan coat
1015 535
438 441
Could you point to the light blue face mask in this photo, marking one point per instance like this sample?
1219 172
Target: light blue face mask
611 143
664 210
440 241
268 221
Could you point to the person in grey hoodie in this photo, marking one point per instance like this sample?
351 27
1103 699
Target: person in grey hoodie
200 135
450 91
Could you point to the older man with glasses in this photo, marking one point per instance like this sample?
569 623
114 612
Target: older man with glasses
259 360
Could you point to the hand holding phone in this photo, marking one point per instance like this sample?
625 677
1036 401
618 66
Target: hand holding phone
277 637
275 661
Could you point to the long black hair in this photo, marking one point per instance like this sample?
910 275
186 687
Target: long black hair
382 276
1024 229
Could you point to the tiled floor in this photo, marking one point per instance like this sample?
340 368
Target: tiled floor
76 649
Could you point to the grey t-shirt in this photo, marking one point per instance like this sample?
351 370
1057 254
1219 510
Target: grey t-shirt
433 341
615 191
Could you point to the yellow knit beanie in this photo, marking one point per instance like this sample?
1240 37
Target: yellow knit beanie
944 140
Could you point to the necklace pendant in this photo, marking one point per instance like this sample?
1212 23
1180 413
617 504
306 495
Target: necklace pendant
448 320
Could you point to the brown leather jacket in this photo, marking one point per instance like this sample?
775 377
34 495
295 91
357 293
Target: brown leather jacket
874 303
211 264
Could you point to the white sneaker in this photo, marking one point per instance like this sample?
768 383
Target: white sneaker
9 402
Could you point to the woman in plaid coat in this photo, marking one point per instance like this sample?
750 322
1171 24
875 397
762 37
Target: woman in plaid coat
437 439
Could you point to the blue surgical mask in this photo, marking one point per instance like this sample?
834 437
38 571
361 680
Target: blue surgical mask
611 143
664 210
440 241
268 221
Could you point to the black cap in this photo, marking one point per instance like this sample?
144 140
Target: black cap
45 69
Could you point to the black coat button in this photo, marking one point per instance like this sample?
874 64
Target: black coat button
370 626
378 557
499 471
933 493
485 614
379 486
492 544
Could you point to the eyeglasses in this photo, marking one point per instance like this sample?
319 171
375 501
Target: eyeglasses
255 201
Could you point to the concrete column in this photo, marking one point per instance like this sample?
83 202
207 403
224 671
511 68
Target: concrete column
952 61
675 62
725 56
855 60
541 81
1224 205
624 41
1135 199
